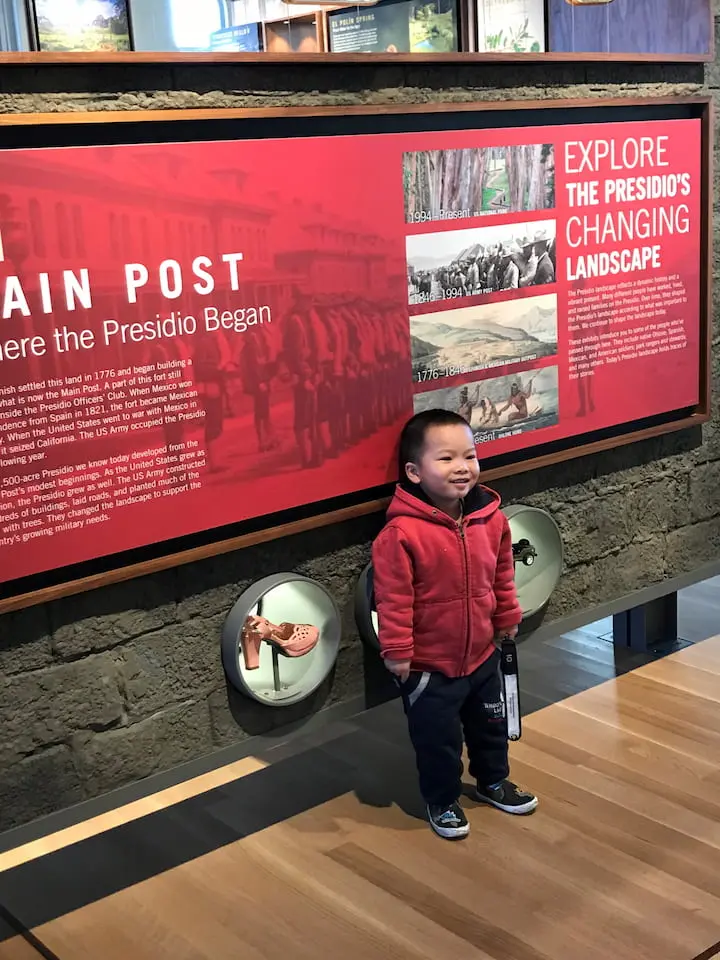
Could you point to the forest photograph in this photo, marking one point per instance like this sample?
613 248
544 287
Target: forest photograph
440 184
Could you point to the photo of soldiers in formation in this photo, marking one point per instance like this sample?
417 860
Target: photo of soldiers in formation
497 259
347 361
342 364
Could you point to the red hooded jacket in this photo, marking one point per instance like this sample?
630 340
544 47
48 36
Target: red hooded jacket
443 589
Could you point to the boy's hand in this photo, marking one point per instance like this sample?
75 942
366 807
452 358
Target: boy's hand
400 668
500 635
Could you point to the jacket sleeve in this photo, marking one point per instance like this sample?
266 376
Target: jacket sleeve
507 610
394 594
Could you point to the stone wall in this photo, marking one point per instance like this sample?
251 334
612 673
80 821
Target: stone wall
102 689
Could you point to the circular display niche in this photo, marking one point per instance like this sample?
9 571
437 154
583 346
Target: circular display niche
366 617
538 554
281 639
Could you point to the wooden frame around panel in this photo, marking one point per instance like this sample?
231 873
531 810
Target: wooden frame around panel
467 53
701 414
35 58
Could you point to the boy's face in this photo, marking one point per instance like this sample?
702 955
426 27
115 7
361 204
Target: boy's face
448 468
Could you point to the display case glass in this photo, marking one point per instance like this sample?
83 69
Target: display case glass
279 669
538 555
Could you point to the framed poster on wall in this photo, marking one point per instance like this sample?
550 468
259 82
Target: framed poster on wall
397 26
82 25
14 26
515 26
186 26
201 341
644 27
246 37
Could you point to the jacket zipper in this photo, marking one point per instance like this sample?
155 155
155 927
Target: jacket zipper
468 611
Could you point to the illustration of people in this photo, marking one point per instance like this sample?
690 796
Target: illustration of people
519 399
466 405
489 416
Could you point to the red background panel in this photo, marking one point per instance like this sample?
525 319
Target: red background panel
307 406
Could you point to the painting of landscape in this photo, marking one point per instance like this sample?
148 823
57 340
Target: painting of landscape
488 335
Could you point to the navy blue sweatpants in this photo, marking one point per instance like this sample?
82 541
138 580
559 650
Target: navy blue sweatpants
441 713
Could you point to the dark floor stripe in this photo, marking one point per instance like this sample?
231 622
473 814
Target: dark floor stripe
16 929
100 866
713 951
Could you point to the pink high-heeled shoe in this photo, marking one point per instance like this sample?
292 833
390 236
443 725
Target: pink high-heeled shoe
289 639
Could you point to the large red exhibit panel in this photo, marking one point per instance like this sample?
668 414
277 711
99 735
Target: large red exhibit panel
196 334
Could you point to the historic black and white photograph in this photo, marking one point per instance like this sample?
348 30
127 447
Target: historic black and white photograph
485 260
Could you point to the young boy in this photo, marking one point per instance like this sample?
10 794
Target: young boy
445 593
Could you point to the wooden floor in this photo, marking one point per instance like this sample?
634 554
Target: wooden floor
621 861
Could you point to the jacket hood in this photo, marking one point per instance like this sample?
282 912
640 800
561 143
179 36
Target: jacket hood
410 500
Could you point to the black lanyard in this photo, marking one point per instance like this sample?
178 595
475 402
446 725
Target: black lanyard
511 688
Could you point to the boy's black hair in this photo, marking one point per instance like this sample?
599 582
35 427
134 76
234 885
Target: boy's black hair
412 438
